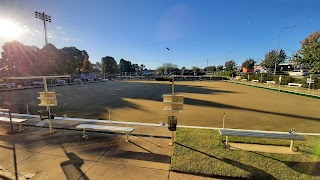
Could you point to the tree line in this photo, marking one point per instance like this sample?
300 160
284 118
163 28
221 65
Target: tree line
18 59
21 60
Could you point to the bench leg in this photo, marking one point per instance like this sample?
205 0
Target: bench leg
127 136
20 127
84 136
291 145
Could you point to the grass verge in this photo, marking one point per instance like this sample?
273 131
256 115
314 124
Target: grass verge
202 152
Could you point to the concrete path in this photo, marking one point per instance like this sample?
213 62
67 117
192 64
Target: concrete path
35 154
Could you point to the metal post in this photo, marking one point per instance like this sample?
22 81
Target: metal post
291 145
109 112
224 115
49 120
227 140
27 109
45 30
10 122
172 86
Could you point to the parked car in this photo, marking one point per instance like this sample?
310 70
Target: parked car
300 72
5 86
77 80
59 81
37 83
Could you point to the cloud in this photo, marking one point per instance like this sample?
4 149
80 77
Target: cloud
58 28
71 39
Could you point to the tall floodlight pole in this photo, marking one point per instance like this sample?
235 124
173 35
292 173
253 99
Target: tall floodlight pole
278 57
44 17
165 66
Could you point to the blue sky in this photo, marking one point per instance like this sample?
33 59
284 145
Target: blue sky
140 30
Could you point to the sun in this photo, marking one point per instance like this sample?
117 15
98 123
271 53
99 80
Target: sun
9 30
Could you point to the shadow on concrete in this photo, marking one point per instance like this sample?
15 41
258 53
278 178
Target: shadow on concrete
144 156
4 178
149 141
72 167
198 102
255 173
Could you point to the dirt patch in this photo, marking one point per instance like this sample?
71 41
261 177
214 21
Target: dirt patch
262 148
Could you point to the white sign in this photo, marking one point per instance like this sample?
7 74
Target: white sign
280 78
310 81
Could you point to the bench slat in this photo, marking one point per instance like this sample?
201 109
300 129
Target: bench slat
16 120
105 128
287 136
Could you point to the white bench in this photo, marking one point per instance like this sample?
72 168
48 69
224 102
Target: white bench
270 82
259 134
14 120
243 79
294 85
127 130
255 80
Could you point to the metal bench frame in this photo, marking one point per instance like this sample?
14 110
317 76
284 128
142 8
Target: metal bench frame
111 128
270 135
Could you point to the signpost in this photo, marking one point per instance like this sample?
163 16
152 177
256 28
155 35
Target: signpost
172 103
47 99
280 79
310 81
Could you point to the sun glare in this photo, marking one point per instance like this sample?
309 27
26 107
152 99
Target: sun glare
9 29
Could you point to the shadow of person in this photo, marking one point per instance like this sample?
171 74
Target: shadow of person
72 167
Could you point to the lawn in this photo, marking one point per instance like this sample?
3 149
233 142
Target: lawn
204 104
202 152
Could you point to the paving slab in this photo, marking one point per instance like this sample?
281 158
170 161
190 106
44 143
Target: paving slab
10 156
88 149
141 152
44 166
111 171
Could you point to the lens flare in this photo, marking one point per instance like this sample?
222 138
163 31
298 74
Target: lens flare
9 30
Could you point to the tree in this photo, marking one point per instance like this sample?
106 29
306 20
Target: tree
273 57
171 68
73 59
310 52
160 70
52 60
125 66
19 60
141 68
210 69
248 64
230 65
219 68
108 65
195 69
